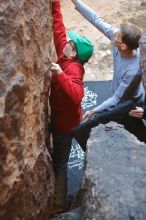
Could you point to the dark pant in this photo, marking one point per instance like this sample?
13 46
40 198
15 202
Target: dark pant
136 127
117 114
61 152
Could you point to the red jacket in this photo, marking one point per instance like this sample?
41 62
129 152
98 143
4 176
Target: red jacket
67 88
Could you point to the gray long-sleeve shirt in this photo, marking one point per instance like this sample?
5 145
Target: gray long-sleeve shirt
126 82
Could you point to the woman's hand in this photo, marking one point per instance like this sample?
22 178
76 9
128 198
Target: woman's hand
137 113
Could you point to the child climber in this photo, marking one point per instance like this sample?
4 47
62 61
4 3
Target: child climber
65 100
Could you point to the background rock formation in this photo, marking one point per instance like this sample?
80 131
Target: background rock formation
26 176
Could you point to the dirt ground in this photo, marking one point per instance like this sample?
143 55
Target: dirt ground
100 66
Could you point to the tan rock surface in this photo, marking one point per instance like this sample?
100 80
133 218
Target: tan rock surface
26 176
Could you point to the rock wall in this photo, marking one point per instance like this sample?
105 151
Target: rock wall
26 176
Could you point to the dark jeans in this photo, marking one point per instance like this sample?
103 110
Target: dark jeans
118 114
136 127
61 152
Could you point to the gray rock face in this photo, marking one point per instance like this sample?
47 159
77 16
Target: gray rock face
114 186
26 175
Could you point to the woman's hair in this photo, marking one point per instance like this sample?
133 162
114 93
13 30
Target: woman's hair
131 35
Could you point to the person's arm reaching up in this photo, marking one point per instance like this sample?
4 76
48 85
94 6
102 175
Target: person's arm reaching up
94 19
58 28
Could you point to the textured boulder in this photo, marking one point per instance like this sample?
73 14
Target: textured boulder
114 186
26 176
